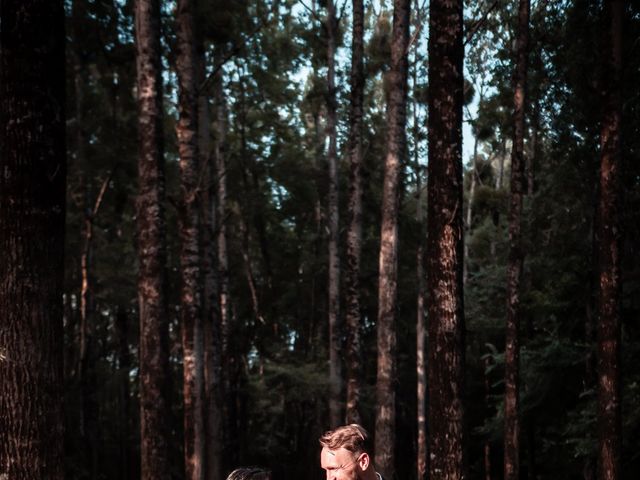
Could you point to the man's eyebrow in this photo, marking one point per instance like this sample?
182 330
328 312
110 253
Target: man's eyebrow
331 453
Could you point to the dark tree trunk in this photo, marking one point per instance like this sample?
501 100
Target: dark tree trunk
335 330
516 255
388 260
354 235
608 239
192 343
226 364
154 340
32 209
446 329
210 307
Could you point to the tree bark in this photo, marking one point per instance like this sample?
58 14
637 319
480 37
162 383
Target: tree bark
516 255
154 334
210 306
192 343
32 209
608 237
388 260
335 333
220 160
446 344
354 235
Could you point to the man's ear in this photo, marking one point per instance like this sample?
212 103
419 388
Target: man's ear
364 461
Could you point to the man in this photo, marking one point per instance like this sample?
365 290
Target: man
250 473
346 454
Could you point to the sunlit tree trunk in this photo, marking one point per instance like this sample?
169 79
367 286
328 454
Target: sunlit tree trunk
516 255
32 213
192 343
388 259
154 341
445 235
354 235
608 237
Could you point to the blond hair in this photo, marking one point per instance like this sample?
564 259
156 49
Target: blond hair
350 437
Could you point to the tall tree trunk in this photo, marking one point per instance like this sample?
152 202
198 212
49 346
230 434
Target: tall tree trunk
222 215
87 371
422 450
210 307
608 238
192 344
445 236
388 260
32 209
516 255
154 334
354 235
335 333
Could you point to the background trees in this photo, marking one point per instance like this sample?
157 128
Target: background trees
264 89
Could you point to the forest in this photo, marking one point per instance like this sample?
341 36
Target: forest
227 227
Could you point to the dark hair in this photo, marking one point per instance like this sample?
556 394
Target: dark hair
350 437
250 473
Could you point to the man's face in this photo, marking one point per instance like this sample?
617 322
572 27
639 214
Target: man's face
340 464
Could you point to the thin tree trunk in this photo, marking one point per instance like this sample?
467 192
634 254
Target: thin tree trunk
609 250
192 344
223 261
354 235
335 333
210 307
154 335
388 260
87 375
532 158
467 225
445 240
32 209
516 255
422 450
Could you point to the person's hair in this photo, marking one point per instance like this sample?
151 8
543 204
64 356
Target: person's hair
250 473
350 437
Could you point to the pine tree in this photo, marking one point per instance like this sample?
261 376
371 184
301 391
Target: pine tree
446 345
354 235
388 260
192 342
152 304
32 218
516 255
608 238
